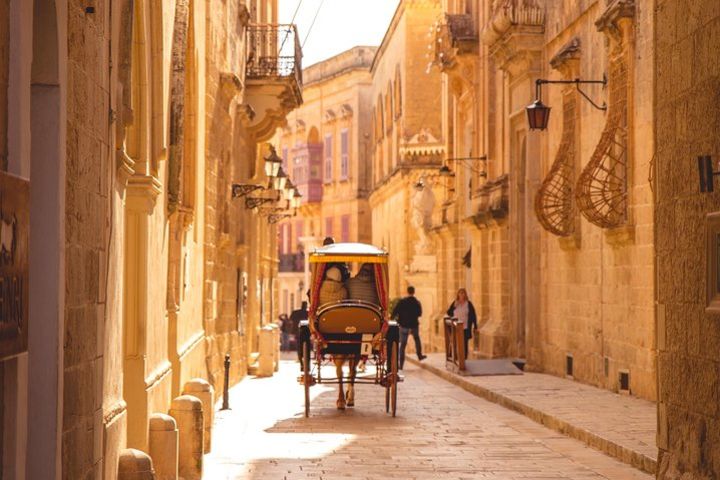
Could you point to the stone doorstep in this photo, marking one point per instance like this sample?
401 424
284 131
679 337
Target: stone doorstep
635 459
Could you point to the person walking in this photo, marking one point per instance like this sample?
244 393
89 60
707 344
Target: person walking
295 317
463 309
284 324
408 311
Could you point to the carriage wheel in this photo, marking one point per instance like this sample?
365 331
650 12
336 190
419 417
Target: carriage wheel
306 376
394 383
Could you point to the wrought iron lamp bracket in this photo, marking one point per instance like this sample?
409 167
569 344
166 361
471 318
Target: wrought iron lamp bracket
467 162
255 202
577 82
243 189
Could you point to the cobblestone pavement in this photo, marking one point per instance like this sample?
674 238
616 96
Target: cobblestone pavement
441 431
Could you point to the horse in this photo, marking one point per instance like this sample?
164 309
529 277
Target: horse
345 400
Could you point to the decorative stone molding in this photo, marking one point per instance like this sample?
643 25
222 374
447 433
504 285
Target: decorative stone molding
346 111
329 116
554 201
246 114
123 115
493 203
176 150
601 190
514 35
143 191
230 86
300 126
422 144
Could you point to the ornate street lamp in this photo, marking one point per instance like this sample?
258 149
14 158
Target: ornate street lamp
273 170
295 202
279 180
289 191
272 163
539 114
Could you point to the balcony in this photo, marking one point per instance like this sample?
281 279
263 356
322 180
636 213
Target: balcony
292 262
455 36
273 77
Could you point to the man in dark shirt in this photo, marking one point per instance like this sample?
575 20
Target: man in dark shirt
408 310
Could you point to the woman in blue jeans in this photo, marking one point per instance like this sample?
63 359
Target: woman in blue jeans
463 309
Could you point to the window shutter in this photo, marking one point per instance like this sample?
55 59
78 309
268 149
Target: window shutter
345 225
344 154
328 159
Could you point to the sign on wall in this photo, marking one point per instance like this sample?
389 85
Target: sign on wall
14 268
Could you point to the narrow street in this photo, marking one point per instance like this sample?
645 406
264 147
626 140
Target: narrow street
441 431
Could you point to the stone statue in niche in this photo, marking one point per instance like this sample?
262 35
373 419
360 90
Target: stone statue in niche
422 205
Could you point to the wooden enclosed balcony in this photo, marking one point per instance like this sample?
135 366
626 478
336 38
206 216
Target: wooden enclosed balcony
273 76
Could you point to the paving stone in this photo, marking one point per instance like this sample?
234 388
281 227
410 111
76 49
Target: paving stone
441 431
619 425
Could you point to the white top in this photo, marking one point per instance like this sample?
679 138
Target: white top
462 311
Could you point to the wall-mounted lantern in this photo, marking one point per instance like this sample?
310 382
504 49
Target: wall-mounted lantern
539 114
273 170
272 163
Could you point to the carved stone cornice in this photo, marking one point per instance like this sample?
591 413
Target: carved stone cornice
610 21
567 60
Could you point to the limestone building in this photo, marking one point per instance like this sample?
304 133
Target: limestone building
687 79
123 127
325 147
407 151
551 230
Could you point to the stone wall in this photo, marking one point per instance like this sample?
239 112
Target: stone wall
687 81
86 254
596 299
224 218
4 74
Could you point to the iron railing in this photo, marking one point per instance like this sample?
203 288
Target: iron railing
274 52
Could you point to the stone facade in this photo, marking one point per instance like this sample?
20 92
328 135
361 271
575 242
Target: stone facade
130 120
325 147
686 79
407 151
552 285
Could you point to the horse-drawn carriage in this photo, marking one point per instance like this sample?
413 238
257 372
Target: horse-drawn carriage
350 330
